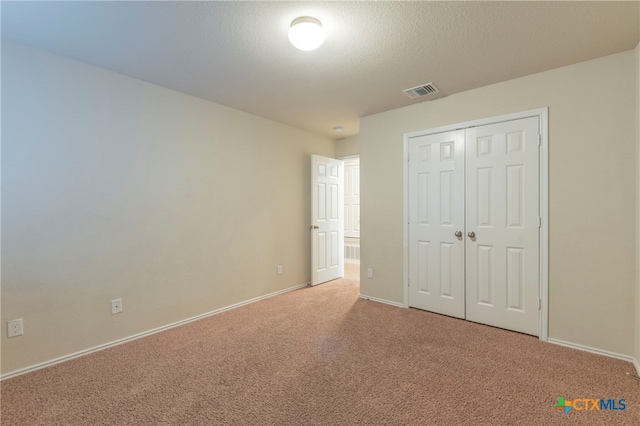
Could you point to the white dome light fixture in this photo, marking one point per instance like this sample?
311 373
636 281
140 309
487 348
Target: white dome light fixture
306 33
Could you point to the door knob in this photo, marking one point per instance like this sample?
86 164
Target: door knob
458 234
471 234
314 227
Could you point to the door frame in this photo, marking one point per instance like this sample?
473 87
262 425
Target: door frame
542 115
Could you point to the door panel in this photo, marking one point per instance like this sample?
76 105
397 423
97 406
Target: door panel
446 270
327 221
503 212
484 279
436 212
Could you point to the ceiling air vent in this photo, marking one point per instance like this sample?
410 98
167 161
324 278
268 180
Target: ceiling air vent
419 91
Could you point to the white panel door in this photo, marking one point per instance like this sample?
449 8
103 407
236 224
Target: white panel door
502 224
436 223
327 227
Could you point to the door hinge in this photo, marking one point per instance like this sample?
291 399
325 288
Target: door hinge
539 222
539 304
539 140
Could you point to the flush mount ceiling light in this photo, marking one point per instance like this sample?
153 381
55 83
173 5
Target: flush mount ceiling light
306 33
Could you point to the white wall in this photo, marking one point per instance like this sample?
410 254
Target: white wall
348 146
592 145
116 188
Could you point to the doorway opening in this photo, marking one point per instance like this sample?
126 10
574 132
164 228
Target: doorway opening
352 217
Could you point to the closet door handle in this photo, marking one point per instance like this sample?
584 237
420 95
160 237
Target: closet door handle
458 234
471 234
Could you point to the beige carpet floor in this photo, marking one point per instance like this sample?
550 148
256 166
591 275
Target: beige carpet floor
322 356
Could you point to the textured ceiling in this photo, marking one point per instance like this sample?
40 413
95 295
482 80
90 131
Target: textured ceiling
237 53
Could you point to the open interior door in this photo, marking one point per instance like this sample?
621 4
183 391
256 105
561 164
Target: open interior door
327 219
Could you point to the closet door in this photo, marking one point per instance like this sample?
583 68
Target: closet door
502 225
436 223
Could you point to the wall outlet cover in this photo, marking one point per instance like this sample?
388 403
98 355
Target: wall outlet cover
15 328
116 306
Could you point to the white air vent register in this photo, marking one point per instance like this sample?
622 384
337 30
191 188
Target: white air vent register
422 90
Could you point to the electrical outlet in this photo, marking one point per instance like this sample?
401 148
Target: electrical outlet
279 269
369 272
116 306
15 328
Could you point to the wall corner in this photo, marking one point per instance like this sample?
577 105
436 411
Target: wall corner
636 350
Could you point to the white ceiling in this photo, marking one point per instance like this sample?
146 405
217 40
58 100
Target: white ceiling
237 53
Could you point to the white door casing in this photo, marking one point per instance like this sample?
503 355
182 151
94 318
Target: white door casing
436 214
502 210
503 203
327 227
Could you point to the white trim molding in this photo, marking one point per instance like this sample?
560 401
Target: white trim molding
593 350
543 118
143 334
636 364
377 299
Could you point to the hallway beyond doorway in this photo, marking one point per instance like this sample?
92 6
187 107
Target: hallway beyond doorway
352 271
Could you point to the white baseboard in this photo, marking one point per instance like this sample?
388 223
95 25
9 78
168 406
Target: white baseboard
636 364
593 350
375 299
143 334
